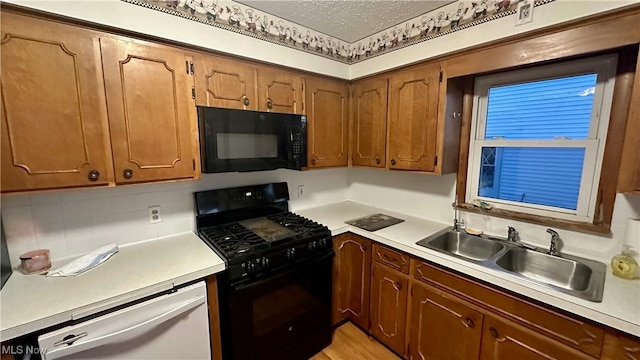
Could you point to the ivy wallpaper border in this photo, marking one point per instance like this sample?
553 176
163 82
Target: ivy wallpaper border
383 42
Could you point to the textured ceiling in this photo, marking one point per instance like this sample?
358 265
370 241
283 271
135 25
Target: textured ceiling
347 20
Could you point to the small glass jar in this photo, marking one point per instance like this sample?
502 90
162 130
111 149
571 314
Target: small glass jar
35 261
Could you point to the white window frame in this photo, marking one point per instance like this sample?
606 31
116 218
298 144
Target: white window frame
605 68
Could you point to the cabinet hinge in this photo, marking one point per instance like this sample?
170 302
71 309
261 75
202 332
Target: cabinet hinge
435 161
439 79
191 67
186 63
193 92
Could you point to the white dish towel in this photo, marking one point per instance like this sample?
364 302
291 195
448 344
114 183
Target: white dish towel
86 262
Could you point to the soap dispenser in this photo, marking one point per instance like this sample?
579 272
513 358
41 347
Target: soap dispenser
624 265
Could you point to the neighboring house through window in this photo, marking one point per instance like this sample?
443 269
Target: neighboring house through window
538 138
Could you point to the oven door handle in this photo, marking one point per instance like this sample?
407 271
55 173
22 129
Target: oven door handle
256 284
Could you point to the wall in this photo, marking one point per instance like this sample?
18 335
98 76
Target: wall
418 195
139 19
136 18
431 197
556 12
73 222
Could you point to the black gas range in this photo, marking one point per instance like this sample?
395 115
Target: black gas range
275 297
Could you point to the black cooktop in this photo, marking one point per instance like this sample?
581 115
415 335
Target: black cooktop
253 234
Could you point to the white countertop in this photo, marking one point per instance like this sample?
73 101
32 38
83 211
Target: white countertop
619 309
33 302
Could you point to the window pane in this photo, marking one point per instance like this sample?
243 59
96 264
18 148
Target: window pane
541 176
542 110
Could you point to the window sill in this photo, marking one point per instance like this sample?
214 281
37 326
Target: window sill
602 229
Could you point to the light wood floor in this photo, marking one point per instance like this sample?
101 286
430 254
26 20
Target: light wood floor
350 343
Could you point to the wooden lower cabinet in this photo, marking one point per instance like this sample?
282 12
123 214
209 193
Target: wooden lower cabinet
505 340
427 312
389 294
352 277
441 326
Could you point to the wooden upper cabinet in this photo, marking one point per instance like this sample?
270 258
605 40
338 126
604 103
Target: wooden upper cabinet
54 122
280 91
369 126
629 178
352 276
328 123
442 326
504 339
151 111
389 294
225 83
413 118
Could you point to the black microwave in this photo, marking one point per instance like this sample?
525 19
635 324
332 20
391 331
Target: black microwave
243 140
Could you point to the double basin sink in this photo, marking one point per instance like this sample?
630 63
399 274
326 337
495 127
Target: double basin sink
572 275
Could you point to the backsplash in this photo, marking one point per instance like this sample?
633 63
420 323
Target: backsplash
72 222
431 197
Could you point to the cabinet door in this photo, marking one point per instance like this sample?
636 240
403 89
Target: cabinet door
151 111
389 290
627 349
54 122
369 123
504 339
328 123
280 91
442 326
413 112
352 270
225 83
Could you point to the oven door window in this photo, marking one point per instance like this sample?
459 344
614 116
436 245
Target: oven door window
246 146
282 309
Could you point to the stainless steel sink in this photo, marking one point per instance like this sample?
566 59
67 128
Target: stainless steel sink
549 269
572 275
463 245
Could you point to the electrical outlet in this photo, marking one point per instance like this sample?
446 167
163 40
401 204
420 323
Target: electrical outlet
524 12
154 214
300 191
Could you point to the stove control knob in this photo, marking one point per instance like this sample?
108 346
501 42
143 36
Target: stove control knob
291 254
249 267
265 263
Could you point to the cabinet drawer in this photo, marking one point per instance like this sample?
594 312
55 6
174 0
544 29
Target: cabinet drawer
391 258
567 329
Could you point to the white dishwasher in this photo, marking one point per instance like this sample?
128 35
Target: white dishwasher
171 326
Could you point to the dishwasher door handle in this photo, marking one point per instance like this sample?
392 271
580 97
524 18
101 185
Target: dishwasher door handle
129 332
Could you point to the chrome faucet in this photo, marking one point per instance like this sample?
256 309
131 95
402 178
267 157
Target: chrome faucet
457 224
555 243
512 234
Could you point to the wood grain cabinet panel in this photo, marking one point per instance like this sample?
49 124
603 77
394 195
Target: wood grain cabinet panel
328 123
629 178
280 91
352 279
151 111
505 340
413 118
389 294
391 258
369 126
225 83
569 330
54 121
442 326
